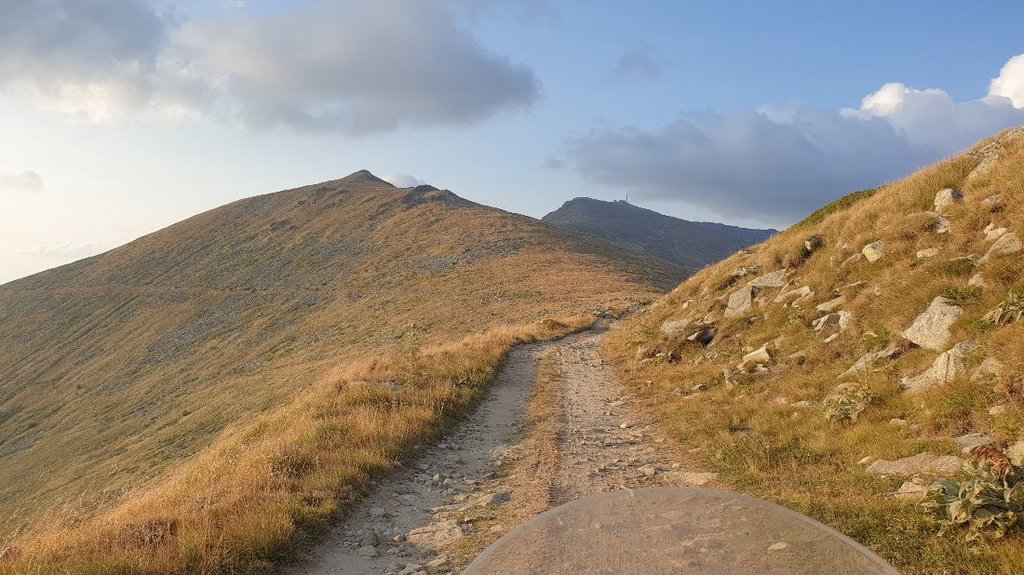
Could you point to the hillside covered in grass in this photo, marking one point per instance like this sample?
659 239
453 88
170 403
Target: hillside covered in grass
189 401
845 365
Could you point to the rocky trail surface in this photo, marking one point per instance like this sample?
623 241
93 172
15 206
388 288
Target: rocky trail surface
499 468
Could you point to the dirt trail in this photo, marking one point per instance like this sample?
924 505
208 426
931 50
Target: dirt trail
484 477
605 444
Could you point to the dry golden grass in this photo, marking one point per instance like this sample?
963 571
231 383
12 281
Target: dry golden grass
154 360
265 486
747 429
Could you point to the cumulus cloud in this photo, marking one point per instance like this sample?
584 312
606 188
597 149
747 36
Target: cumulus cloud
403 180
778 163
1010 82
348 66
26 181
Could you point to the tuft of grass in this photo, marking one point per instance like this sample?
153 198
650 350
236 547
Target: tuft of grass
962 296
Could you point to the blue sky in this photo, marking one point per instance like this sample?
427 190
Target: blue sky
123 116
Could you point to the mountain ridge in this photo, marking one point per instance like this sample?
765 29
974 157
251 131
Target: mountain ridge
692 245
141 356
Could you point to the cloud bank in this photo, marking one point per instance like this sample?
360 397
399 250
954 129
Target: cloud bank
26 181
347 66
778 163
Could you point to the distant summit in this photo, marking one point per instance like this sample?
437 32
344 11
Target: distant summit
692 245
365 177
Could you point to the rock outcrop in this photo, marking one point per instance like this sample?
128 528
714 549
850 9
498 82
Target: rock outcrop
947 367
873 251
926 463
740 301
931 329
946 198
776 279
1008 243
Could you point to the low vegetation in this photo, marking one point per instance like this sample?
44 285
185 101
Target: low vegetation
804 422
989 503
264 487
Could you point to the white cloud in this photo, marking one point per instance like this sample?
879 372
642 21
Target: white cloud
348 66
1010 82
26 181
403 180
780 162
932 118
66 251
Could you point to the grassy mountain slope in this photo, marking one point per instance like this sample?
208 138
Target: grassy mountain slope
785 421
692 245
118 368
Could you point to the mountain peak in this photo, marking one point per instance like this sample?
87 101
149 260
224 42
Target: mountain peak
364 177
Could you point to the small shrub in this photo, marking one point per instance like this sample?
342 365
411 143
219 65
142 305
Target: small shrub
1009 311
987 503
846 403
962 296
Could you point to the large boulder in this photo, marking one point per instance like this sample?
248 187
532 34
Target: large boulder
776 279
1008 243
946 198
740 301
873 251
926 463
931 329
947 367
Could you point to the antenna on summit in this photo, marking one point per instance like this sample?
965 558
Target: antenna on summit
627 197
